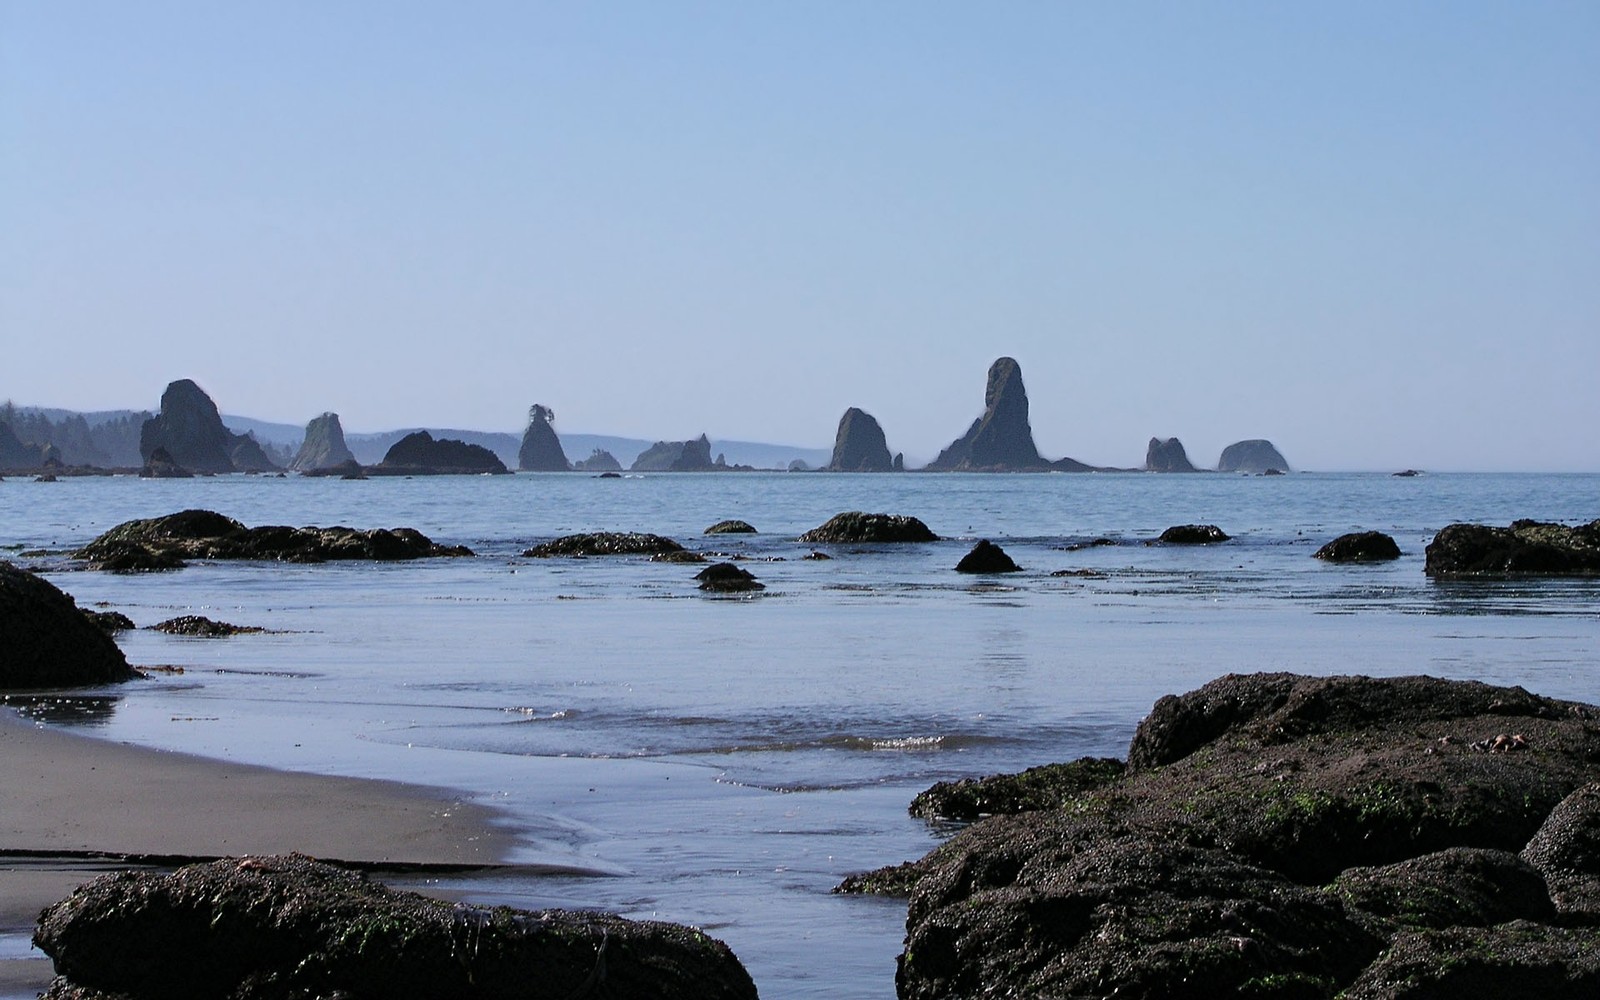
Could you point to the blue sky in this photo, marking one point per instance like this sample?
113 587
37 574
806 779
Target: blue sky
1367 231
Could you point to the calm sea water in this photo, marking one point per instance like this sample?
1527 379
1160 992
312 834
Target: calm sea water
725 762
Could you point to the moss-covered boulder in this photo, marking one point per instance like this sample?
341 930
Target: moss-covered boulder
1526 548
277 928
165 542
604 543
1048 786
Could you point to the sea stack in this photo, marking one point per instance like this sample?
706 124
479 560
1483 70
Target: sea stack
860 445
1001 440
541 449
1257 455
599 460
1166 456
419 454
191 430
676 456
323 447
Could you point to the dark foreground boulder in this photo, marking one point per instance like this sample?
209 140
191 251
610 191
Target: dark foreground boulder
47 642
1526 548
1276 835
1360 546
987 557
164 542
605 543
726 578
1193 534
857 526
277 928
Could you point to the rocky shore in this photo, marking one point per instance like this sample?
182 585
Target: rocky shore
1276 835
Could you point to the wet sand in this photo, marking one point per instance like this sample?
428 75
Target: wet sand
71 805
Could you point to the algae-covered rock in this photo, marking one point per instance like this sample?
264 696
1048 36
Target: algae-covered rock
858 526
202 627
277 928
1048 786
604 543
164 542
1526 548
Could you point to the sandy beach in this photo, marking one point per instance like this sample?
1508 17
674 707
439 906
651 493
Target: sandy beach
70 805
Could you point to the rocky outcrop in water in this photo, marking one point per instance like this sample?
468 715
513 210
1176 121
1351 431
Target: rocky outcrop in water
1360 546
1526 548
201 627
274 928
1283 836
541 449
47 642
676 456
731 527
860 445
1001 440
859 526
1166 456
1255 456
1193 534
323 446
418 454
164 542
987 557
599 460
605 543
726 578
191 431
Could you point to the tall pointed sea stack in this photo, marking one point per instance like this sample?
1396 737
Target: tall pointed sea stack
1167 456
191 430
323 447
541 449
1001 440
860 445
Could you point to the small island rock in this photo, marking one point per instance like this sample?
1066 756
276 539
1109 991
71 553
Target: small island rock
599 460
1167 456
860 445
676 456
1256 455
324 446
541 449
419 454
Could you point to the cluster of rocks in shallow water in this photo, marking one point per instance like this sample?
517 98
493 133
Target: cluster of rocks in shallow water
1276 835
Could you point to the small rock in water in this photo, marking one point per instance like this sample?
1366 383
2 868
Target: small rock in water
726 578
1193 534
731 527
1360 546
199 625
987 557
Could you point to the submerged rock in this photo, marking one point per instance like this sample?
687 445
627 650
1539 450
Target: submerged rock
1193 534
324 446
1360 546
283 927
987 557
860 446
604 543
46 641
1167 456
1526 548
202 627
419 454
1256 455
726 578
164 542
732 527
1277 835
541 449
1001 440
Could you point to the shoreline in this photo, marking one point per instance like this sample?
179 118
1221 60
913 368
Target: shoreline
73 807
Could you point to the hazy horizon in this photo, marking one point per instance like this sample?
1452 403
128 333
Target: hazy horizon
1369 233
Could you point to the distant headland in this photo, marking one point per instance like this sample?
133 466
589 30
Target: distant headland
188 435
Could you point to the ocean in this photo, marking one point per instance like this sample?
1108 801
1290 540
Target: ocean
725 761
